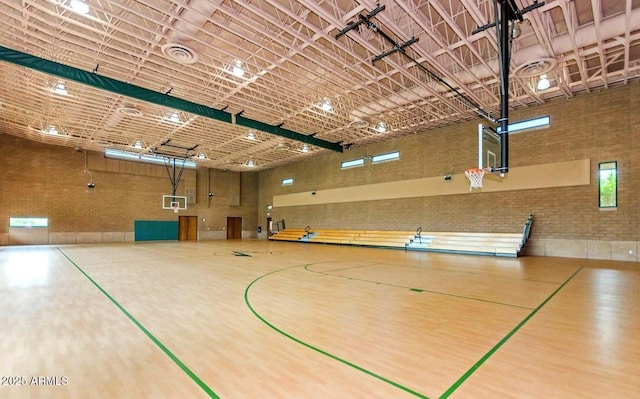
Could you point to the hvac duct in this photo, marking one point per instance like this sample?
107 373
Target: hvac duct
183 30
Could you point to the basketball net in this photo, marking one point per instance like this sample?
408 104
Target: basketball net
475 176
176 208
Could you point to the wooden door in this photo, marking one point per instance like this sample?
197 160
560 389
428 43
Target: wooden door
234 228
188 228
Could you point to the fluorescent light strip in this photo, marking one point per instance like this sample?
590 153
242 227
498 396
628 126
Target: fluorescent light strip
146 158
352 164
287 182
390 156
543 121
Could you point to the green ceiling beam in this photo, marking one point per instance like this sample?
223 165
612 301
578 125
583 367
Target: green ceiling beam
140 93
280 131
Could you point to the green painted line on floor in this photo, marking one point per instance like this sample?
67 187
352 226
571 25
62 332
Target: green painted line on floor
479 363
160 345
323 352
422 290
416 290
346 268
237 253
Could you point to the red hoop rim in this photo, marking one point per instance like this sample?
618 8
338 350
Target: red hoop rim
474 170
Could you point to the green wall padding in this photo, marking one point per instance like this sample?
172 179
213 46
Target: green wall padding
155 230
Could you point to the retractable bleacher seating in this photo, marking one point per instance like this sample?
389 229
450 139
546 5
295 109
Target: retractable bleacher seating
495 244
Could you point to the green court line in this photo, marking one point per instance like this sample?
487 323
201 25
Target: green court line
480 362
422 290
160 345
344 268
323 352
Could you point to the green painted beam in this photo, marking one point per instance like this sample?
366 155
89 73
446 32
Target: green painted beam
140 93
280 131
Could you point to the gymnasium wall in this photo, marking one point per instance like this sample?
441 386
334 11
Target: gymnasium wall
591 128
40 180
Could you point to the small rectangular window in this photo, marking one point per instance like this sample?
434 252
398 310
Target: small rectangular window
28 222
287 182
390 156
608 184
149 158
354 163
543 121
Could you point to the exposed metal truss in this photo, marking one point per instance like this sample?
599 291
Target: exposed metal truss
292 62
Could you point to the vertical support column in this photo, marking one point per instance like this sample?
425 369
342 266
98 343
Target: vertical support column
481 164
174 174
505 60
174 183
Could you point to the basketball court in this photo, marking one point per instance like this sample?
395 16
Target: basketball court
127 301
254 318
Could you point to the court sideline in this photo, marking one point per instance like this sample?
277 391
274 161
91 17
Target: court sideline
252 318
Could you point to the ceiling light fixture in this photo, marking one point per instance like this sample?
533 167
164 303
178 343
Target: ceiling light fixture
381 127
543 83
237 69
138 144
202 156
251 135
305 148
250 163
59 88
79 6
326 105
52 130
516 30
173 117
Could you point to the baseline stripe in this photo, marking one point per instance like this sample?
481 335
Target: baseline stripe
479 363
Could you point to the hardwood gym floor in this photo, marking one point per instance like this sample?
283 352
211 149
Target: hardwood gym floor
259 319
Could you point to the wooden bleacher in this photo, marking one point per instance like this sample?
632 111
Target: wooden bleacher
333 236
376 238
382 238
499 244
288 235
496 244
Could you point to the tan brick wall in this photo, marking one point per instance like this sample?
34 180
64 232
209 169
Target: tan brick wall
601 126
49 181
223 185
43 180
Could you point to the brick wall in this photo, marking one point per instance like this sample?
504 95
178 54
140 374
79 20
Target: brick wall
45 180
602 126
49 181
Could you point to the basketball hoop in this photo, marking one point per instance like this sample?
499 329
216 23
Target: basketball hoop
475 176
176 208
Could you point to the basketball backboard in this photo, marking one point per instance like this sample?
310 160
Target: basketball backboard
489 148
173 201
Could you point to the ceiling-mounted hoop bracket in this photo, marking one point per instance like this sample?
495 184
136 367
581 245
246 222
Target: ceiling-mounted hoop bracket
400 48
508 12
